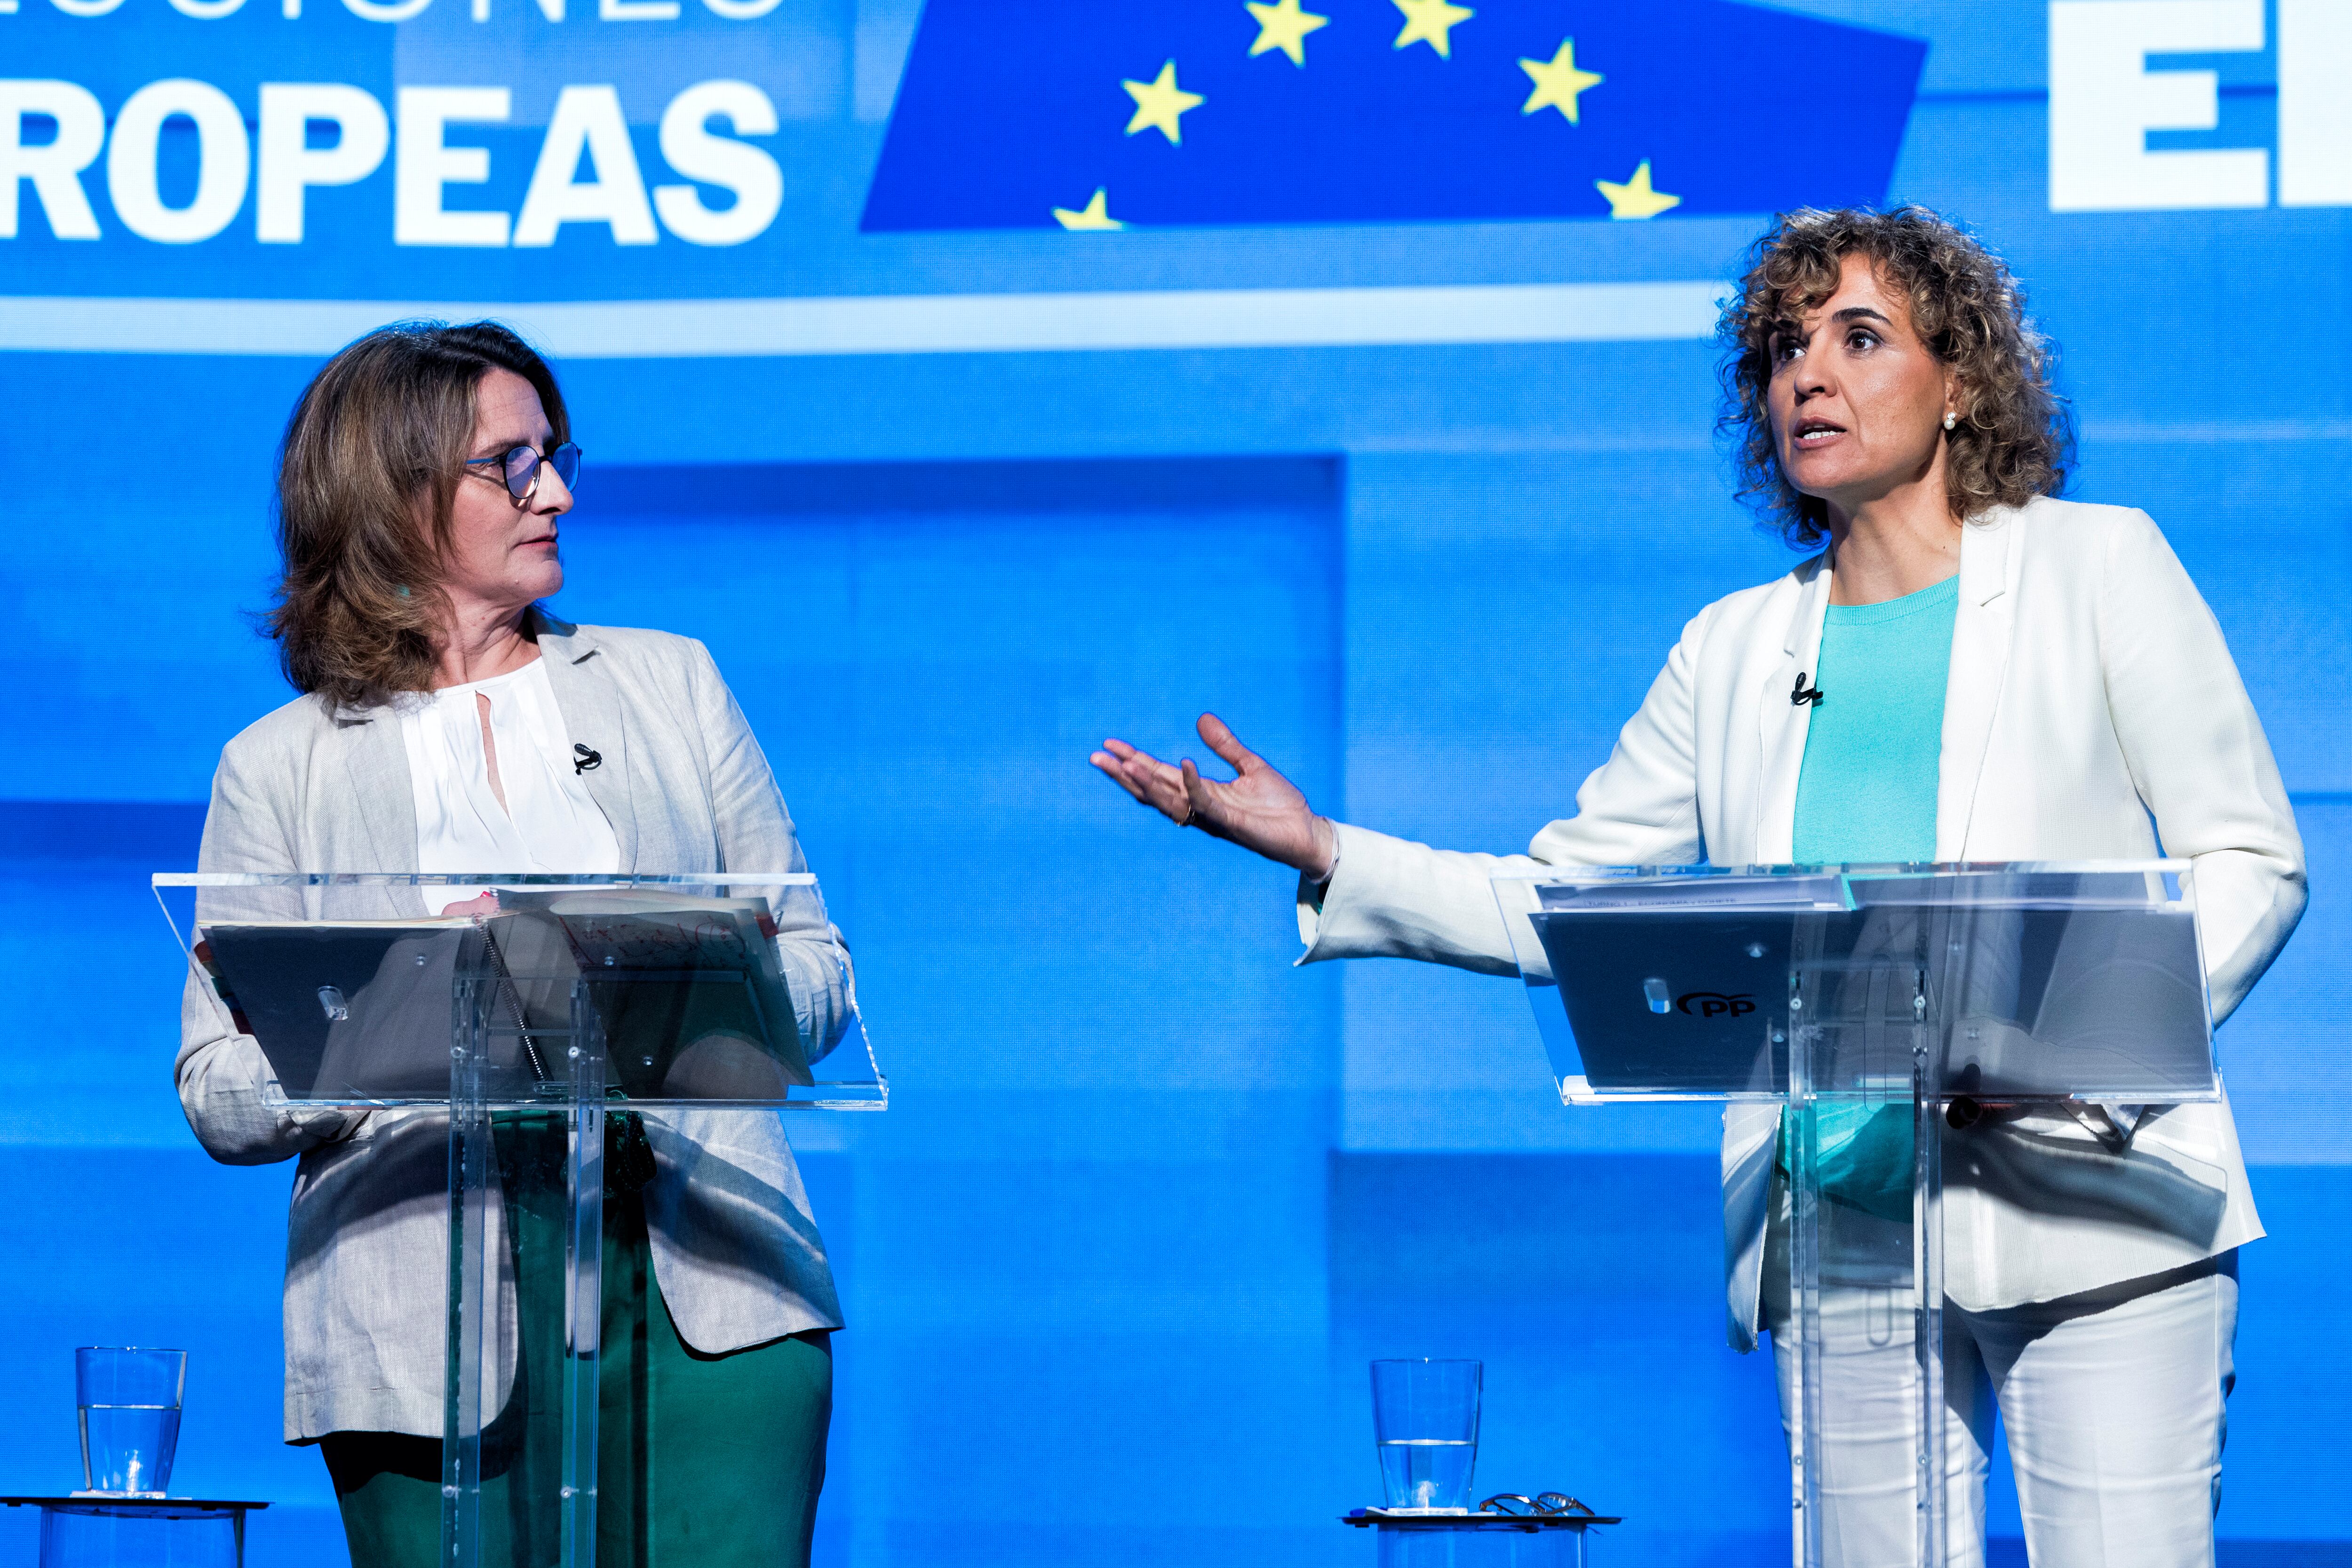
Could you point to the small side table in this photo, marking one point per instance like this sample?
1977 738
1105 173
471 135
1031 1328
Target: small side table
139 1532
1478 1540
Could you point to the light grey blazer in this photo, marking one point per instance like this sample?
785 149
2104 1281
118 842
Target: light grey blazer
735 1251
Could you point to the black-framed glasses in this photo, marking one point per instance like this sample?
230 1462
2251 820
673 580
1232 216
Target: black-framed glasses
519 467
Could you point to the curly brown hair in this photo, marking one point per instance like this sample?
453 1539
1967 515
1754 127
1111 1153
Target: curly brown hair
366 479
2015 438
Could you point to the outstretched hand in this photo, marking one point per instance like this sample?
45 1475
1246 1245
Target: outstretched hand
1260 810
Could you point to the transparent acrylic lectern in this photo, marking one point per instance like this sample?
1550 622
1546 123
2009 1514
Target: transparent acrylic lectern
544 1027
1889 1009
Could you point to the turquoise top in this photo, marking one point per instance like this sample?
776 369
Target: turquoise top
1867 793
1868 789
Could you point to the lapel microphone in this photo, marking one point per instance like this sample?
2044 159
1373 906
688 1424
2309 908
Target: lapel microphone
582 759
1798 695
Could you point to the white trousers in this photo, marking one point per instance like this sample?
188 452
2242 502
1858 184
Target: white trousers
2113 1402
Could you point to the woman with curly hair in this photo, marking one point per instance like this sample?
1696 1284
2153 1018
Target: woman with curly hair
1969 670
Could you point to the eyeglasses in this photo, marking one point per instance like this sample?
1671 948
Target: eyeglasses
519 466
1541 1506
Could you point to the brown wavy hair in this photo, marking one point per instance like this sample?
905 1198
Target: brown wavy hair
2015 439
366 479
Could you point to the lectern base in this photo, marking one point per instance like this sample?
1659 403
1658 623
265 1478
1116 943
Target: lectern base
689 1445
1865 998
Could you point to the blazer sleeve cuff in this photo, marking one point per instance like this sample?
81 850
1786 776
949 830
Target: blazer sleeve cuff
1391 897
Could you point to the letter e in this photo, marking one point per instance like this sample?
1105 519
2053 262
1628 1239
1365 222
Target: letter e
2104 100
424 164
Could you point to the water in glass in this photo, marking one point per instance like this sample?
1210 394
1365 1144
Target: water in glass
127 1448
1427 1472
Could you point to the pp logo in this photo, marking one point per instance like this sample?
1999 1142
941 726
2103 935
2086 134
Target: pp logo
1713 1004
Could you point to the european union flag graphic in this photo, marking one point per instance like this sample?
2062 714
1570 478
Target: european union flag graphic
1096 114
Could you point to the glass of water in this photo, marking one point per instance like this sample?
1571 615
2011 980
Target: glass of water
129 1400
1425 1420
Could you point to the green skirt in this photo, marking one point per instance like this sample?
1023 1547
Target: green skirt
709 1460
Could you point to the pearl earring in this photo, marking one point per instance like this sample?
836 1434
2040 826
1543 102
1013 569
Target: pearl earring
1951 419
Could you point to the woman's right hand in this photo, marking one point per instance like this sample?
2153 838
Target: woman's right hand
1260 810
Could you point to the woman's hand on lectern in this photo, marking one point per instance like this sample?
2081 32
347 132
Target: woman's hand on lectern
1260 810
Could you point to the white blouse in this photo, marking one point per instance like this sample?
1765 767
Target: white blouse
549 822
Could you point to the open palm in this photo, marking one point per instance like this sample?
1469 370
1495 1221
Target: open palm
1259 809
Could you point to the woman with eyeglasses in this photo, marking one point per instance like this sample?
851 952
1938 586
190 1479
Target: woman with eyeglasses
450 723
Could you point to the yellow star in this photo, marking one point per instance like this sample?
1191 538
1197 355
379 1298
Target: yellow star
1094 218
1558 82
1158 103
1430 22
1283 26
1635 198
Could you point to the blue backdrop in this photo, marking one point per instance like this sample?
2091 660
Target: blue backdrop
1416 492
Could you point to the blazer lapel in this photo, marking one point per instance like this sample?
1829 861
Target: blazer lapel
593 717
376 760
1782 723
1981 633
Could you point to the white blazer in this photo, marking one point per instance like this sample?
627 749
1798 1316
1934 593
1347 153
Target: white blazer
2093 712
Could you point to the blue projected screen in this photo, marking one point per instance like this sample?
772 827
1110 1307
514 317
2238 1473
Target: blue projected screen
979 380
